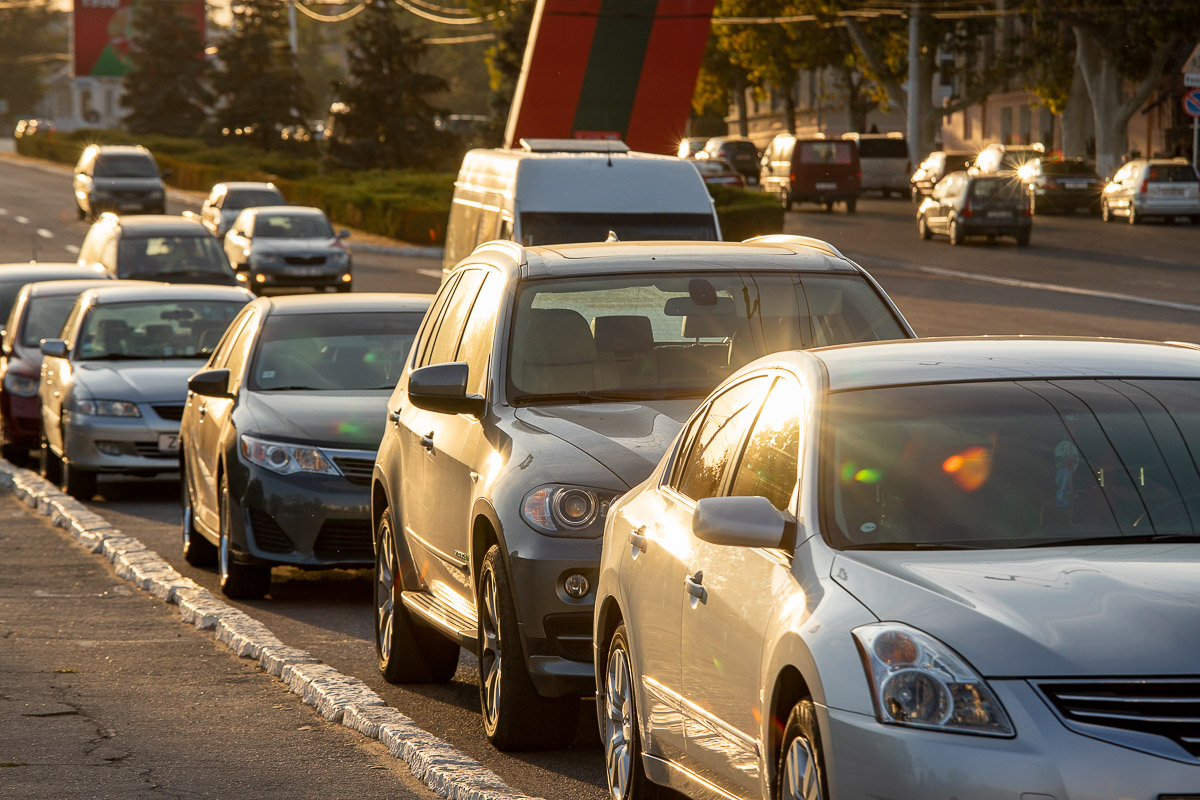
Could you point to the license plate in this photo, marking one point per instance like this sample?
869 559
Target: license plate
168 442
1171 191
129 206
305 272
999 215
826 185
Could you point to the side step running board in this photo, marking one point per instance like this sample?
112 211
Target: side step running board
429 610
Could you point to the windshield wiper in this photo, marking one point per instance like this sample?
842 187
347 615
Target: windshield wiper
1153 538
913 546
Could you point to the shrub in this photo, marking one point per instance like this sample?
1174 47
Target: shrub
744 214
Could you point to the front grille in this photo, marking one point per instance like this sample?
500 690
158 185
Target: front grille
173 413
267 534
344 540
304 260
1169 707
357 470
150 450
571 634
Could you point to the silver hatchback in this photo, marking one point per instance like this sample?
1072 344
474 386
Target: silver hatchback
927 569
1152 188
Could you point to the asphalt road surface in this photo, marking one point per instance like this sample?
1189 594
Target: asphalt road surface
1078 277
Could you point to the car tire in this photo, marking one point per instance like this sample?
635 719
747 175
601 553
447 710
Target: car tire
621 733
238 581
1105 212
956 234
828 206
1134 217
197 551
79 212
408 652
79 483
923 228
1023 237
851 206
515 716
49 465
800 773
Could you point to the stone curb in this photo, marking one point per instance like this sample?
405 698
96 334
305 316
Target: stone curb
339 698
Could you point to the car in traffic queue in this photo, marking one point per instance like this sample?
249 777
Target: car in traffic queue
545 382
31 125
884 160
936 166
937 568
718 171
1062 186
280 431
113 384
739 151
997 157
38 313
288 246
963 205
155 247
13 278
689 146
812 170
117 178
1142 188
226 200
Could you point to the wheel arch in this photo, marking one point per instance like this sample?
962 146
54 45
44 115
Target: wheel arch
789 689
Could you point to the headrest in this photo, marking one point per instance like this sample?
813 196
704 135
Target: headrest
623 333
555 336
786 333
708 326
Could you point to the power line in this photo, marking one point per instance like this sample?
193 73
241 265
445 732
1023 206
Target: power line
441 9
478 37
423 14
345 15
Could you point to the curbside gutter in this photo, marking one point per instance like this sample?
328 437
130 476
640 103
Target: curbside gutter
339 698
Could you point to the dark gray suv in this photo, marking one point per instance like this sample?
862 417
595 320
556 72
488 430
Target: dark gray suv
118 178
544 383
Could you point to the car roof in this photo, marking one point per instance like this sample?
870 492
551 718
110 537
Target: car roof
296 210
248 185
54 288
134 291
988 358
121 148
45 270
363 302
157 225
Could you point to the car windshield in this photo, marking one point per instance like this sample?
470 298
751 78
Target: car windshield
1012 464
552 227
335 351
119 166
237 199
1015 158
883 148
44 317
154 329
713 166
292 226
650 336
736 149
170 255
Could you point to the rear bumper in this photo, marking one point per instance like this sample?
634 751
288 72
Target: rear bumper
984 227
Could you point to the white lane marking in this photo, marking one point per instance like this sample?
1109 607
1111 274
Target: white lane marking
45 233
430 273
3 212
22 220
72 248
1160 260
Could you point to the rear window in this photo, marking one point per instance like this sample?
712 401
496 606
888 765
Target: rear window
882 148
1068 168
1170 173
1001 189
547 227
826 153
739 149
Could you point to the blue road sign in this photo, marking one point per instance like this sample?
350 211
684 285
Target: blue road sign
1191 102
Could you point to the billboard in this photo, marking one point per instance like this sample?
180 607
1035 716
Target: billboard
101 34
611 69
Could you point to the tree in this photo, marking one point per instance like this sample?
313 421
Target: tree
164 88
511 24
388 120
259 87
32 40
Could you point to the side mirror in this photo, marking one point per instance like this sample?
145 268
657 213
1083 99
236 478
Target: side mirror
343 234
739 522
55 348
210 383
442 388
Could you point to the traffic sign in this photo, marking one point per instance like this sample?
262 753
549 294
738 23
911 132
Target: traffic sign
1191 102
1191 68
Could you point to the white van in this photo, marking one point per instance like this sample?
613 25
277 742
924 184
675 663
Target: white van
883 158
554 191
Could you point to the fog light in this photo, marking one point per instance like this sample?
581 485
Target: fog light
109 448
260 278
576 585
241 276
346 278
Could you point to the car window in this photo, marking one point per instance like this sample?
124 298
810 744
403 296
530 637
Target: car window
224 341
769 464
444 343
291 226
152 329
114 165
248 198
1170 173
883 148
170 255
44 317
558 227
718 437
478 334
239 351
827 153
432 317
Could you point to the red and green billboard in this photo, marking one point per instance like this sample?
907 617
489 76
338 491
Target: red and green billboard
102 30
612 69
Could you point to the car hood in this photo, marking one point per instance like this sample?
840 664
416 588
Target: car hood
127 184
1067 612
314 247
353 420
627 438
159 381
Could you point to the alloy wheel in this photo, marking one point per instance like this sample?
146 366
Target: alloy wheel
490 648
385 590
618 724
800 778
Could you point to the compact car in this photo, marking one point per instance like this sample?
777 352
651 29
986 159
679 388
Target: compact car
1145 188
719 171
936 166
13 278
114 383
288 246
963 205
930 569
38 313
1062 186
118 178
278 438
738 151
226 200
546 381
156 247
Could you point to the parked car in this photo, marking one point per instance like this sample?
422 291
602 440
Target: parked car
226 200
38 313
1059 186
936 166
737 150
545 382
14 276
28 127
691 145
118 178
963 205
1007 157
719 171
886 165
113 385
157 247
279 435
938 568
1152 188
812 170
288 246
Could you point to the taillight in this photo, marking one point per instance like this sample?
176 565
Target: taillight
908 166
1028 210
1143 189
793 177
967 211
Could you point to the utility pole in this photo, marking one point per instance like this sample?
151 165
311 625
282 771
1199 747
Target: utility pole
293 41
914 79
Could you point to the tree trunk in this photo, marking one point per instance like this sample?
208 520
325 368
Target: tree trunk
789 110
739 102
1074 118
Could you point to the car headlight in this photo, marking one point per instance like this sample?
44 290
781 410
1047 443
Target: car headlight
107 408
20 385
286 458
920 682
560 510
339 258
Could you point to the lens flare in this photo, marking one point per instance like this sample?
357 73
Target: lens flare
970 468
868 476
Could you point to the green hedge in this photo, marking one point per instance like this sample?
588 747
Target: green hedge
400 204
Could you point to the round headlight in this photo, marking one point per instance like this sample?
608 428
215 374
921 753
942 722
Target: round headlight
574 508
916 697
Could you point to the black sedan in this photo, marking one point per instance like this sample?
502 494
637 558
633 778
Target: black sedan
279 435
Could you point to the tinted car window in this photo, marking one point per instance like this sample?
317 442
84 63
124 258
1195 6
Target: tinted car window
769 465
826 153
44 318
717 439
997 189
1068 168
160 255
124 166
1170 173
152 330
291 226
882 148
732 149
548 227
237 199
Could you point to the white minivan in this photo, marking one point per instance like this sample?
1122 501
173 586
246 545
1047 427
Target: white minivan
554 191
884 160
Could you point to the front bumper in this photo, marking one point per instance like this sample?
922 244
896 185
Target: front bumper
285 276
22 420
1044 761
140 204
121 444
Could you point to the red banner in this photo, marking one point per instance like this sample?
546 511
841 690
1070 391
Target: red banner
102 33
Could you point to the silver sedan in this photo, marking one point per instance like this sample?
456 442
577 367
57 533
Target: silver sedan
937 568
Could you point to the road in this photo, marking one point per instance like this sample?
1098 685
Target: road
1079 277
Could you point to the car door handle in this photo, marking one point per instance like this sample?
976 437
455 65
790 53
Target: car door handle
695 586
394 416
637 537
427 441
202 410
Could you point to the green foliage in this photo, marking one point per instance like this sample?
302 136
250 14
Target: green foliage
505 57
32 43
164 88
744 213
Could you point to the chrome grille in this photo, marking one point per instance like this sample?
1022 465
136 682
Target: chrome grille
357 470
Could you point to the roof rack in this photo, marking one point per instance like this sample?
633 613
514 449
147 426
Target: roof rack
574 146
